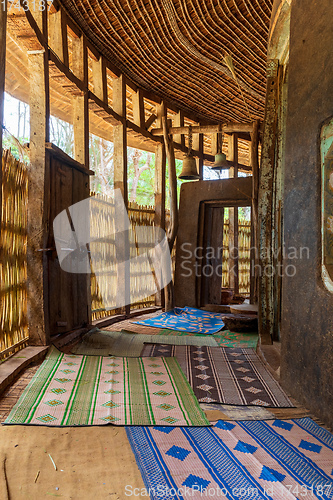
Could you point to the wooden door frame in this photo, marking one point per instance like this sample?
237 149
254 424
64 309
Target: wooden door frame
201 234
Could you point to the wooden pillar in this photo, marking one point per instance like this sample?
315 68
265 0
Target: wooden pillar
265 206
178 121
160 171
138 109
3 26
38 189
58 35
233 218
120 182
214 143
100 79
80 103
120 138
81 153
198 146
254 258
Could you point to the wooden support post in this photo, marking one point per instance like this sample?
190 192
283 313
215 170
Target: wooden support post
120 182
254 258
81 153
265 206
138 109
233 219
178 121
58 35
214 143
120 138
173 227
100 79
160 171
38 189
198 146
3 26
80 103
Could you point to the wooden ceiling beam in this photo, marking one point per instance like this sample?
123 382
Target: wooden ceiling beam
208 129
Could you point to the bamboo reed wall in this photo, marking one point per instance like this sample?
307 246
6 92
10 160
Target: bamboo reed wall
138 216
145 216
244 246
13 256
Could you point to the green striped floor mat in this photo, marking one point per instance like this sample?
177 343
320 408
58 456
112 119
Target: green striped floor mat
224 338
73 390
106 343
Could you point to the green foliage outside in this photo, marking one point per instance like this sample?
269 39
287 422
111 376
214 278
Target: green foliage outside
141 164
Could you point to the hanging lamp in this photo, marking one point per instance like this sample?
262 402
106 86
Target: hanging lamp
189 170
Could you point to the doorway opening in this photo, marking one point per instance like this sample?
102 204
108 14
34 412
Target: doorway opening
224 254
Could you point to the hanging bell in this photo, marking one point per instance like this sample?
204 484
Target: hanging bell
220 162
189 170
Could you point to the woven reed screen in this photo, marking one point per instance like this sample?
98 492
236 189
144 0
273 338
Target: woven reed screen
13 256
244 246
138 216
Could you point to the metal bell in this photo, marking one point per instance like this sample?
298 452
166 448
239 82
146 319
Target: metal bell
189 170
220 162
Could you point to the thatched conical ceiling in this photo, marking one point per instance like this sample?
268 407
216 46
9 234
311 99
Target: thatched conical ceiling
207 56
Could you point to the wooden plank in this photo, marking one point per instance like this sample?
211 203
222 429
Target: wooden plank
79 60
160 171
265 205
81 282
138 109
80 103
198 145
58 35
99 79
60 154
37 216
150 121
120 138
178 121
10 370
81 129
208 129
120 182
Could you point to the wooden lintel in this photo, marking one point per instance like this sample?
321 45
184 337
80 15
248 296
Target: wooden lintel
102 105
69 74
207 129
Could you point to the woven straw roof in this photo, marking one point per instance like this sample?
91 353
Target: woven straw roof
207 56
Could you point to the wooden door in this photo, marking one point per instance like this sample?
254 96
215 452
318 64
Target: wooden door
68 295
211 258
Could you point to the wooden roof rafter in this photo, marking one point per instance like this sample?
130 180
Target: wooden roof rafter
62 75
